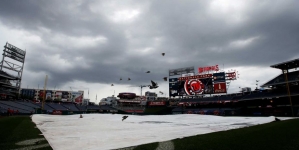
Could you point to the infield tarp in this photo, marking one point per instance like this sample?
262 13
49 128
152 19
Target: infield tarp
107 131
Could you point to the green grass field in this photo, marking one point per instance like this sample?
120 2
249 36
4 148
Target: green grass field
19 132
282 135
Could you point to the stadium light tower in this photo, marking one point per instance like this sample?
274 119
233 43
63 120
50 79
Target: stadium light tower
15 63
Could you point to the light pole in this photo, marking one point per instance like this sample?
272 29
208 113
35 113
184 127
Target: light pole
241 90
88 93
142 86
228 83
257 83
96 98
72 94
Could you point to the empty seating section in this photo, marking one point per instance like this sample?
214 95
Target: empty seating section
71 107
46 107
2 110
17 105
5 107
225 98
93 107
27 107
56 106
105 107
82 108
177 109
262 95
28 104
292 76
237 97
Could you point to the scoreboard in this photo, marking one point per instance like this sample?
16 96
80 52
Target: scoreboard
200 84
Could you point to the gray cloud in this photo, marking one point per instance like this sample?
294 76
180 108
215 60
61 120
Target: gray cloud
190 33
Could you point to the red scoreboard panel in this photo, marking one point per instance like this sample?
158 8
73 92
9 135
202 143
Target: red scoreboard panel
220 87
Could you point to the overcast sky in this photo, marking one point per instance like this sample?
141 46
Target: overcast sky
91 44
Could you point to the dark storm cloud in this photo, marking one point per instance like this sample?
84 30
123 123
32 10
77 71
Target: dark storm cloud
190 33
190 30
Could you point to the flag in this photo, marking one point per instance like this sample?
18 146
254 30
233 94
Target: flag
88 92
96 96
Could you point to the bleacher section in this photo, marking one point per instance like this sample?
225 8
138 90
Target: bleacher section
17 106
6 87
46 107
2 110
82 108
56 106
25 107
71 107
5 107
93 107
105 107
30 104
280 79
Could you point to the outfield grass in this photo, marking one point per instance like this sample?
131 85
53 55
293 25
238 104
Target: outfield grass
283 135
16 129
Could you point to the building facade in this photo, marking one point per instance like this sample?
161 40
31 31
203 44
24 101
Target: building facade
39 94
150 96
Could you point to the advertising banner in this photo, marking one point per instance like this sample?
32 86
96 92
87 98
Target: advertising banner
187 74
48 95
28 92
57 112
173 87
219 77
157 103
208 69
203 76
64 95
129 101
173 92
219 87
58 95
135 111
41 94
230 76
77 97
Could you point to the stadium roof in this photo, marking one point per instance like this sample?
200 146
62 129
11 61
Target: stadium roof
287 65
